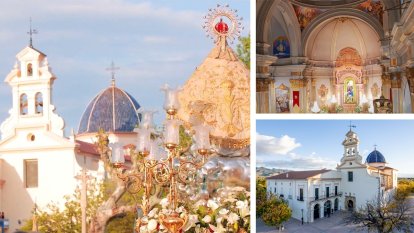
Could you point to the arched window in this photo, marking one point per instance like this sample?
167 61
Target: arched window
23 104
29 69
39 103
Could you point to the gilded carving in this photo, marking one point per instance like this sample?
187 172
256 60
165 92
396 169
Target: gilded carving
296 83
218 94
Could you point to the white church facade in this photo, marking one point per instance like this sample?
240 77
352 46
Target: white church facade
316 194
38 163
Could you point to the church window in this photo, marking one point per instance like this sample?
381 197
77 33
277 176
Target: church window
39 103
350 176
23 104
301 194
29 69
316 193
31 173
327 191
31 137
275 189
336 190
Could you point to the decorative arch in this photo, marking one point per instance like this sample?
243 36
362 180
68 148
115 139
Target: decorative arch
348 56
316 212
263 23
23 104
329 15
39 103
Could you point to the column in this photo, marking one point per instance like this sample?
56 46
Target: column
264 81
410 78
396 92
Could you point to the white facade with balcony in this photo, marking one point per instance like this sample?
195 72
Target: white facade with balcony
319 193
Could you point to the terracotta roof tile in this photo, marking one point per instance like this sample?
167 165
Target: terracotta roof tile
88 148
296 175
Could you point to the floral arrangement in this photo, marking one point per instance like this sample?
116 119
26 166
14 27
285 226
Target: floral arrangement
229 212
339 109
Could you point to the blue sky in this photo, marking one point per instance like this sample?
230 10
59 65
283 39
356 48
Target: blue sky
153 42
315 144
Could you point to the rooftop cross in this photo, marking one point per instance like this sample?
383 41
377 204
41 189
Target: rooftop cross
375 146
31 32
351 126
113 68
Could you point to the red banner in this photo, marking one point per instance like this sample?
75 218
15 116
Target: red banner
296 98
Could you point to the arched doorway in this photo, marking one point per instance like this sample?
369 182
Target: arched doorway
336 203
327 208
350 205
316 212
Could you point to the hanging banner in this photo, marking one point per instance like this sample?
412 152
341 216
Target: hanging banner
296 98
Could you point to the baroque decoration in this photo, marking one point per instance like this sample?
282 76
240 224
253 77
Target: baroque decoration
194 175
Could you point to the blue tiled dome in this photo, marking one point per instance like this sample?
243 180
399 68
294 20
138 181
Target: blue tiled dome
375 157
113 110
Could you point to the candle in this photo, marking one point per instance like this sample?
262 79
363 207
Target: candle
172 131
117 154
202 137
144 140
171 97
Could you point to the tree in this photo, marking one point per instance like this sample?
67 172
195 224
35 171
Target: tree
243 50
276 211
385 215
261 196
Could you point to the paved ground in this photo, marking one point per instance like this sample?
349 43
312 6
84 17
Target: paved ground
334 224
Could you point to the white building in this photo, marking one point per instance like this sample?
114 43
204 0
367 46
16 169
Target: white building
319 193
38 164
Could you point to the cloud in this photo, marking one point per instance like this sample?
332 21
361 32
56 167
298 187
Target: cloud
299 162
270 145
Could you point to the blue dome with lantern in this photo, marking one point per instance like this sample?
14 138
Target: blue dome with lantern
113 110
375 157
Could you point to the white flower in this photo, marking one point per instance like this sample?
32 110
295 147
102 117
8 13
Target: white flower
240 204
232 218
164 203
180 209
206 219
223 211
152 225
218 229
212 204
219 219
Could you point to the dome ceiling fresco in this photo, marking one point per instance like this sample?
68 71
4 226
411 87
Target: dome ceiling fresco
306 14
326 3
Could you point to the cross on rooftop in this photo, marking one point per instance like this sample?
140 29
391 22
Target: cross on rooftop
113 68
375 146
351 126
31 32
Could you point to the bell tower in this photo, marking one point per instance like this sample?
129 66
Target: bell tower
351 146
31 80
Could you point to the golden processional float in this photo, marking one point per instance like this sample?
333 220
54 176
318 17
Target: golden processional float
206 179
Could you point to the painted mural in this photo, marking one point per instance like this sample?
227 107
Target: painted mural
349 91
281 47
305 15
282 98
374 8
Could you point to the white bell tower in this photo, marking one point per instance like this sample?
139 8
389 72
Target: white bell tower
31 80
351 146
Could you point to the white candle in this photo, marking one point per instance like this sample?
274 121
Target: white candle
117 154
144 140
172 131
202 137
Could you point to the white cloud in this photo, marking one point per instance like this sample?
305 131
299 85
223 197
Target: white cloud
294 161
270 145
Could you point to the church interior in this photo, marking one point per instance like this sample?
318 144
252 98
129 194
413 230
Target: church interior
341 56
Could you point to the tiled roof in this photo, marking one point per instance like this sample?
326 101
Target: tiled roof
88 148
296 175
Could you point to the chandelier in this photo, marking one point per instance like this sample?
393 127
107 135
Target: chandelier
160 162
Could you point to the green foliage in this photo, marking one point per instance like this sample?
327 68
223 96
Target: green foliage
261 196
276 211
121 224
185 139
243 50
68 219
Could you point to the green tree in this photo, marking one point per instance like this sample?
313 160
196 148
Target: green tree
276 211
243 50
261 196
